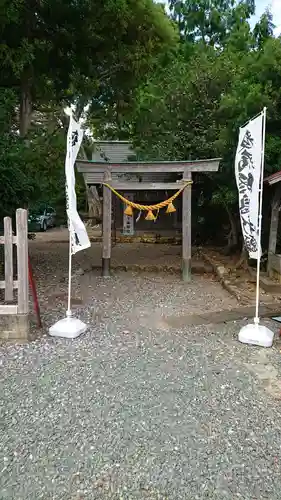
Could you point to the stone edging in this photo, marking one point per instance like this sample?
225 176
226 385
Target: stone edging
224 316
150 268
147 239
221 272
156 268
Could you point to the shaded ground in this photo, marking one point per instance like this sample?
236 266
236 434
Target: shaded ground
136 408
50 262
123 254
60 234
241 281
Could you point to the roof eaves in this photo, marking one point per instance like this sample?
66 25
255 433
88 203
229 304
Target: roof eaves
97 141
273 179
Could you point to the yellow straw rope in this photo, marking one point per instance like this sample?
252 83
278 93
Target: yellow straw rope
148 207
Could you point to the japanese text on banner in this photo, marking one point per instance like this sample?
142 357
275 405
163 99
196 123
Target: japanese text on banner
78 233
248 164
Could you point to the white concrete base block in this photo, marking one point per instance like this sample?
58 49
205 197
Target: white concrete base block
69 328
256 334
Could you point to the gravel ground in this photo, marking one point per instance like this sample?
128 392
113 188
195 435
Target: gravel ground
50 263
135 410
122 254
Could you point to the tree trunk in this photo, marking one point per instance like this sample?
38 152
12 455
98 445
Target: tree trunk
93 199
25 102
94 203
243 261
233 226
232 237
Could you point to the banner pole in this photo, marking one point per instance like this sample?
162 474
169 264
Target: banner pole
257 319
71 327
68 312
255 333
251 119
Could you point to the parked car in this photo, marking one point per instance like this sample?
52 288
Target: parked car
41 218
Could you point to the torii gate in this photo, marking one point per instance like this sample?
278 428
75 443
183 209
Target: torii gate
113 174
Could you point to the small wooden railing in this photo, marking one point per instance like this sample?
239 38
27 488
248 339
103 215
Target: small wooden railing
21 283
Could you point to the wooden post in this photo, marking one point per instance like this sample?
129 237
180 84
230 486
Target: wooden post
22 258
273 225
8 266
106 227
186 230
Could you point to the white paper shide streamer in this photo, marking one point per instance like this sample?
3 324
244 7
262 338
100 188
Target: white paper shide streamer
78 233
248 165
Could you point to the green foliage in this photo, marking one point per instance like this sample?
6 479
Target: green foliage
179 87
64 50
178 119
55 52
15 184
193 106
210 21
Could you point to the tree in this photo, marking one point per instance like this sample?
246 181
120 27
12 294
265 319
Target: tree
57 52
28 169
16 187
61 50
209 21
195 112
264 29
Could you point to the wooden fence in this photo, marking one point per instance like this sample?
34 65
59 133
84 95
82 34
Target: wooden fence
16 291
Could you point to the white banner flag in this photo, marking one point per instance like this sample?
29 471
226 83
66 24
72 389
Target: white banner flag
78 233
248 164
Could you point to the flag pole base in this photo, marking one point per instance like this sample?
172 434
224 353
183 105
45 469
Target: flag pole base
256 334
69 328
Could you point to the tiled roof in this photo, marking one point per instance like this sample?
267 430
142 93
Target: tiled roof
112 151
273 179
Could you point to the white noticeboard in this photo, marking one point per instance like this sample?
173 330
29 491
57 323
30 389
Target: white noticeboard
128 222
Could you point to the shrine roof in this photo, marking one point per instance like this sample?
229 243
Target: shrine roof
273 178
208 165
